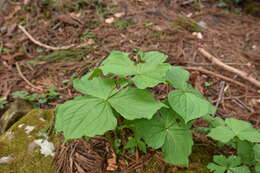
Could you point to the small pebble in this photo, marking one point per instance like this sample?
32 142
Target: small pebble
28 129
110 20
47 148
199 35
6 159
118 15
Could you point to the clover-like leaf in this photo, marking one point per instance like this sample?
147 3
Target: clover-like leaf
178 77
189 105
227 165
93 114
235 128
164 132
147 74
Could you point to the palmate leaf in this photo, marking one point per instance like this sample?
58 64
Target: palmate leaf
164 132
235 128
92 115
147 74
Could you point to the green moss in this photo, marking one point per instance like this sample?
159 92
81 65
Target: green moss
199 159
27 159
252 8
188 24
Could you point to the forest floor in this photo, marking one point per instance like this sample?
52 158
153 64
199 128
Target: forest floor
91 29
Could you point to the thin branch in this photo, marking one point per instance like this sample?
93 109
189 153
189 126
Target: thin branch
44 45
216 75
242 74
24 78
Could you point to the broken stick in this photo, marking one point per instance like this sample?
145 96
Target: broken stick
242 74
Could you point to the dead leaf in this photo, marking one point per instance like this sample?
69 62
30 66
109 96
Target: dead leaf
112 164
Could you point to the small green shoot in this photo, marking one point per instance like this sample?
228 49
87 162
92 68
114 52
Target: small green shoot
147 24
232 164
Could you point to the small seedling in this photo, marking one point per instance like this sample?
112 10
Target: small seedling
147 24
232 164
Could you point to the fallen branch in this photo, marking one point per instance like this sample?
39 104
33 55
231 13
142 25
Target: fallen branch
216 75
24 78
44 45
242 74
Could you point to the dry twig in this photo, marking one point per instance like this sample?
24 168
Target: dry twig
24 78
216 75
242 74
44 45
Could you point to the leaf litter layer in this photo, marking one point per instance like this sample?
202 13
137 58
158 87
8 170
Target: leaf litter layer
223 38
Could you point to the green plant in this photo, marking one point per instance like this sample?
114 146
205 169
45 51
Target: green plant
239 135
36 98
118 89
121 24
135 142
3 102
234 128
147 24
232 164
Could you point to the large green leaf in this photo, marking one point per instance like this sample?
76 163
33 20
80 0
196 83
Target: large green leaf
154 57
84 116
189 105
243 130
97 87
257 152
119 64
150 75
235 128
147 74
178 77
133 103
245 151
164 132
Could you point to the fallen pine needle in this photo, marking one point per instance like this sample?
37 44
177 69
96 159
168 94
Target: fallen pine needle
242 74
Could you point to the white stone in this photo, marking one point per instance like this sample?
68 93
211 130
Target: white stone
29 129
199 35
6 159
110 20
119 14
47 148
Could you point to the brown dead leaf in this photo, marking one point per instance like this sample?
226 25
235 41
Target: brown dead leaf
112 163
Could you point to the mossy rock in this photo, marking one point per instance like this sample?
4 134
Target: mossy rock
18 144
